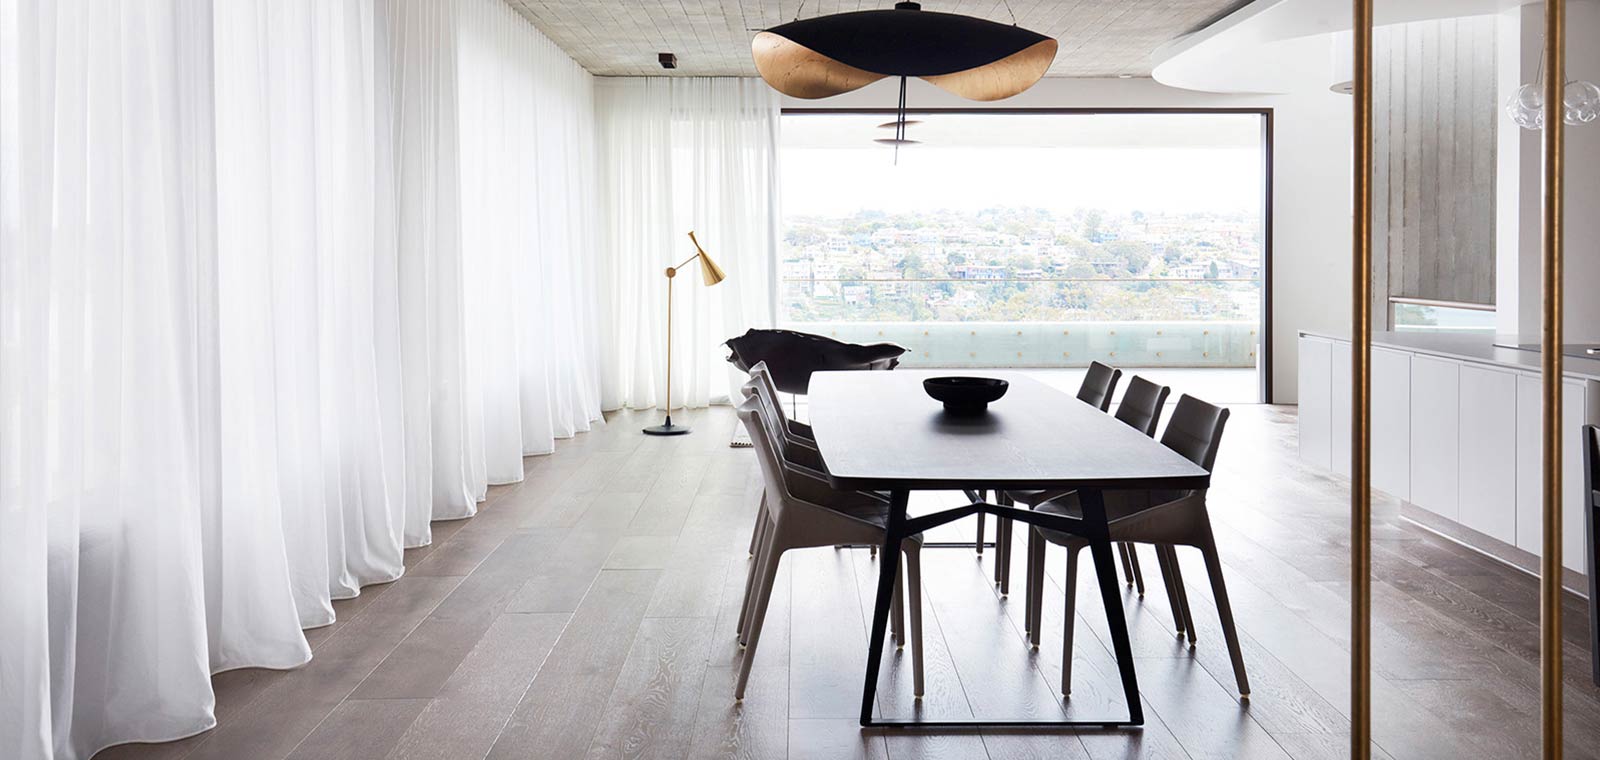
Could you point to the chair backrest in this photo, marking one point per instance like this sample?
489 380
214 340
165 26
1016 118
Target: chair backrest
763 374
752 414
1099 385
1142 403
1195 430
771 411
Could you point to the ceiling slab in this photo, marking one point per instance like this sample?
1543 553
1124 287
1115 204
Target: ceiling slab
1099 38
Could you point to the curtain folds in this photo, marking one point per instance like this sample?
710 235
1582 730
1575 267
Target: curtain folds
679 154
281 281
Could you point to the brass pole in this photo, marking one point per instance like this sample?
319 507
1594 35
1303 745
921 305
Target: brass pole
1361 396
1555 79
671 272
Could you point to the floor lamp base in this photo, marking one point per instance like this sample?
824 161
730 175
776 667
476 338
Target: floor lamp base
667 428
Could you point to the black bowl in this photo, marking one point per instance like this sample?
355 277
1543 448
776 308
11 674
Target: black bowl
965 395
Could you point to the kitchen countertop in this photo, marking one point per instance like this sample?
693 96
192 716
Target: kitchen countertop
1472 347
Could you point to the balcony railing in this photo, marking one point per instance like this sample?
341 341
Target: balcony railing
1037 322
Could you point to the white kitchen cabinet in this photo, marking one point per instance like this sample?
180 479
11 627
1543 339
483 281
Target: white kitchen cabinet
1391 422
1316 400
1530 456
1435 435
1339 410
1488 449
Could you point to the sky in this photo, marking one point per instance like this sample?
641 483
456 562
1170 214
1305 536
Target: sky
1153 180
1155 163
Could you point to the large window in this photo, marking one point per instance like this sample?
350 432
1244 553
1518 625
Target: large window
1029 239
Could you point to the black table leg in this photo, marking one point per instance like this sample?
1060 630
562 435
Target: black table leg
900 526
1105 569
887 569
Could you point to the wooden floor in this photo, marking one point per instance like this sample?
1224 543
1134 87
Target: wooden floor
589 612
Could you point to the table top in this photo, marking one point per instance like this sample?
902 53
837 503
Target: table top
880 431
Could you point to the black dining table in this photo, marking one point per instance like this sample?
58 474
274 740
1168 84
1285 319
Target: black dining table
878 431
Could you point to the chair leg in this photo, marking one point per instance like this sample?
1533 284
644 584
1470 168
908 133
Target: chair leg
760 526
1183 593
1133 562
1070 620
758 614
1164 562
897 615
1009 526
1127 566
752 579
980 533
1038 551
913 581
1027 589
1219 590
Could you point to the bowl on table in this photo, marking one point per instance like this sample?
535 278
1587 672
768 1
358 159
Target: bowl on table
965 395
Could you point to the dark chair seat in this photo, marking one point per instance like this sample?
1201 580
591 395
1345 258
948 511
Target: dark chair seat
792 356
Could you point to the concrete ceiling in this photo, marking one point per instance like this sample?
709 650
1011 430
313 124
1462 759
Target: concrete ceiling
1099 38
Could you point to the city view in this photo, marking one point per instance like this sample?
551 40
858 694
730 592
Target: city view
1019 264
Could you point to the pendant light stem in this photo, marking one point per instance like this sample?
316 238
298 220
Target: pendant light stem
900 122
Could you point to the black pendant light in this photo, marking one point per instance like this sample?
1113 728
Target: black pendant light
971 57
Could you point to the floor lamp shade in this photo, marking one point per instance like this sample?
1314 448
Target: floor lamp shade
711 274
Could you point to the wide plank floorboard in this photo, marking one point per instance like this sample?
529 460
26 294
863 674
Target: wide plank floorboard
589 611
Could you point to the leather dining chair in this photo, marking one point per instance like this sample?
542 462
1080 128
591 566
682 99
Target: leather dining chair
1098 386
1591 541
1167 519
801 510
1140 408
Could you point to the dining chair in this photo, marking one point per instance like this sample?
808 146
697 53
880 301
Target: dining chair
1167 519
800 511
1098 386
1591 541
1140 408
796 443
794 429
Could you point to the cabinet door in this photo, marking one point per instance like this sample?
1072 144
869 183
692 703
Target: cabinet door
1530 455
1435 429
1339 410
1316 399
1391 422
1487 501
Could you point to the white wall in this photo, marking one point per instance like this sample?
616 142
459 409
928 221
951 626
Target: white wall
1311 178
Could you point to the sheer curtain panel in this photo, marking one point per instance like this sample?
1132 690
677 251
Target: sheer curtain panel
244 360
680 154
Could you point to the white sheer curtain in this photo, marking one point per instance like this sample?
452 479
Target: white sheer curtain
242 359
680 154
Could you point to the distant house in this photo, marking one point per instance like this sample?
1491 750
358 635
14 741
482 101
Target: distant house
978 272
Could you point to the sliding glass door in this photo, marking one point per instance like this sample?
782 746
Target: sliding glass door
1038 240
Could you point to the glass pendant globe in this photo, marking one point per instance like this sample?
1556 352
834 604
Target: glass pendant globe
1580 102
1526 107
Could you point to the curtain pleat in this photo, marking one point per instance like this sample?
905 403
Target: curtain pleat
281 282
679 154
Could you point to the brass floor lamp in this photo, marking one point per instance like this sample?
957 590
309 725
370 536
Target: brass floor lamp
711 274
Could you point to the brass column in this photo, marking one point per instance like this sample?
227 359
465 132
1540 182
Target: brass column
1555 79
1361 396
